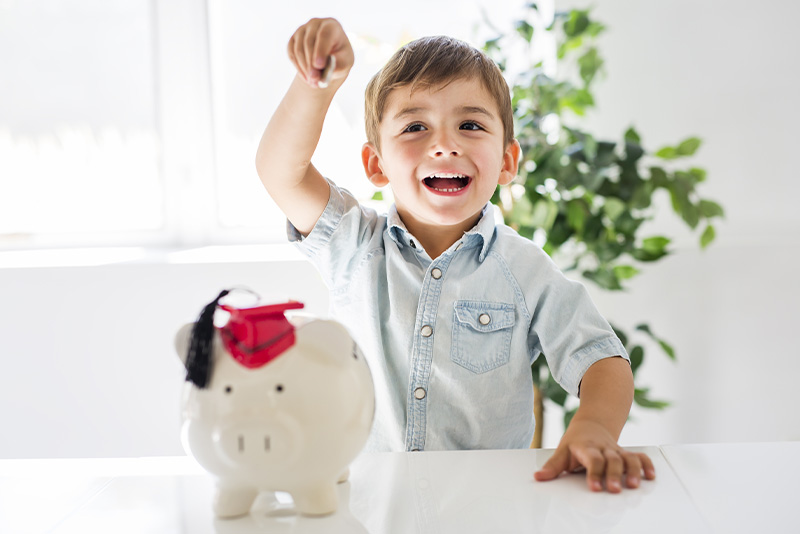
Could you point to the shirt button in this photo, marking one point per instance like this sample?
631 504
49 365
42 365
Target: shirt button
436 273
411 242
426 331
419 393
485 319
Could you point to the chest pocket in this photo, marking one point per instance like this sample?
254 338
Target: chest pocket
481 334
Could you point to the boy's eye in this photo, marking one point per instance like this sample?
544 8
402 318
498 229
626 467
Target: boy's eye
469 125
414 128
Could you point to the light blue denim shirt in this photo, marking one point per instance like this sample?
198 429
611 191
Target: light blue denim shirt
450 341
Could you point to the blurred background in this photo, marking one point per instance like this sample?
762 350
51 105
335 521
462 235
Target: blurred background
128 199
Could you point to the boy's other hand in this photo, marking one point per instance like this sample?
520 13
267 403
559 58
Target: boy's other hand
589 445
312 44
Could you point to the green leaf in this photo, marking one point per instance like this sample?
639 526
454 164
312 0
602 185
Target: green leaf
544 213
589 145
620 334
589 63
640 397
659 177
689 146
625 272
577 23
577 210
699 175
645 256
613 208
637 357
645 328
708 236
605 154
643 195
570 45
604 278
577 100
378 195
492 44
667 152
525 30
679 190
667 349
520 214
655 244
632 136
595 28
709 208
552 390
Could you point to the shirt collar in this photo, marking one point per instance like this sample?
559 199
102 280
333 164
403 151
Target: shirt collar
479 235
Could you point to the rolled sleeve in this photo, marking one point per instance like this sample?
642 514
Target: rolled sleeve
571 332
340 237
321 234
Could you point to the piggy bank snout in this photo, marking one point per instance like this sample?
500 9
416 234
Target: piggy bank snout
256 443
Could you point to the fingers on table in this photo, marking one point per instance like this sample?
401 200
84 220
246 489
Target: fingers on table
554 466
615 467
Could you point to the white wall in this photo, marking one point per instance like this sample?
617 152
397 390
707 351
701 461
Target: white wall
88 367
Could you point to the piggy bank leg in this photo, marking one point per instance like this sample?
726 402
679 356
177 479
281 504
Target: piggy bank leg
319 500
233 501
344 476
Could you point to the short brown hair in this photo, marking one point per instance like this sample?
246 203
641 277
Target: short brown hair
432 61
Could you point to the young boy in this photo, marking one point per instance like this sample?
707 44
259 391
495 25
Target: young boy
449 307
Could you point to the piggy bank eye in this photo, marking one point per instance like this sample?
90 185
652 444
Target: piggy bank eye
279 388
228 389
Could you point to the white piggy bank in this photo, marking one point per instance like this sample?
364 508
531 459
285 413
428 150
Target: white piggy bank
292 424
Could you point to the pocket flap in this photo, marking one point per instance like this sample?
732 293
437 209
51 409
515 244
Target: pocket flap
484 316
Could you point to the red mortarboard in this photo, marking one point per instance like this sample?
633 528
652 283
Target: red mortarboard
253 336
256 336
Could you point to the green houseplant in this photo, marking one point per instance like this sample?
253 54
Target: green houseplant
585 199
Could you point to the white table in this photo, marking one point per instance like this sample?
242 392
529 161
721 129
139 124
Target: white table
700 488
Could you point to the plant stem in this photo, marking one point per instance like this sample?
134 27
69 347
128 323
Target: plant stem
538 415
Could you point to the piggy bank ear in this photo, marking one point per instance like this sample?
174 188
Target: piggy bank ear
182 340
328 341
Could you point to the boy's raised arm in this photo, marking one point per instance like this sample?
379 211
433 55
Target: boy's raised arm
283 160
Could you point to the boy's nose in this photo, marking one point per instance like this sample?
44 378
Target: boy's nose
443 145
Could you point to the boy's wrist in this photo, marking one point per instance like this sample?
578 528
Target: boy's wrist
315 90
610 419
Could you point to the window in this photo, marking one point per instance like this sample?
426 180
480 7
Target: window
79 143
136 122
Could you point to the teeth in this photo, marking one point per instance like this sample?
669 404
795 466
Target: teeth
447 175
461 179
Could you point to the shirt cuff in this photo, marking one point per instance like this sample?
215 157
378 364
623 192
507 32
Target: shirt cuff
321 234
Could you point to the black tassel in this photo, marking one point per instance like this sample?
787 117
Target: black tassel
198 360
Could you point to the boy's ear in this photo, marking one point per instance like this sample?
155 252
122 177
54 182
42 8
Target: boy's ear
372 165
510 163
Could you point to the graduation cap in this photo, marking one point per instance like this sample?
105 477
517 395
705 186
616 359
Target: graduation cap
253 337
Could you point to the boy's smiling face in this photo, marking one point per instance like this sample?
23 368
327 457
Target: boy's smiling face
443 153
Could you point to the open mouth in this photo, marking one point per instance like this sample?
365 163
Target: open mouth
447 182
